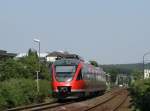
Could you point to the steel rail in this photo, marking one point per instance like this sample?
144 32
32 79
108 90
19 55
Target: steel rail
103 102
39 107
121 103
30 106
49 106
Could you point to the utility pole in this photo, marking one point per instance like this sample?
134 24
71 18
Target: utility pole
37 72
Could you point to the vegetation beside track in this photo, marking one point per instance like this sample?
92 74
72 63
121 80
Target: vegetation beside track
140 92
18 81
139 88
17 92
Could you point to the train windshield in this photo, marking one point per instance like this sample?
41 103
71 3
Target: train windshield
65 73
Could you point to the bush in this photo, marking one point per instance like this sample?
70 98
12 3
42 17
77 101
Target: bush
45 87
13 69
140 92
17 92
25 67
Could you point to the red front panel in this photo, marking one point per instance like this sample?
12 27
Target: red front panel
76 85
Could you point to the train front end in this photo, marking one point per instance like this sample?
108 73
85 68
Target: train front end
65 82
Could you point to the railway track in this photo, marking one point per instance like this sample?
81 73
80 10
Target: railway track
39 107
30 106
119 105
101 105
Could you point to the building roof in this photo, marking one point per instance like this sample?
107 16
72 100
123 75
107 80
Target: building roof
20 55
66 55
55 53
4 53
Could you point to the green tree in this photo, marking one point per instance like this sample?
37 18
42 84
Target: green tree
25 67
94 63
140 92
113 74
31 62
137 74
12 69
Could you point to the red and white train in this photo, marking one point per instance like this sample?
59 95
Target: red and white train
75 78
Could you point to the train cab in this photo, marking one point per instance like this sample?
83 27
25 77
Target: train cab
67 78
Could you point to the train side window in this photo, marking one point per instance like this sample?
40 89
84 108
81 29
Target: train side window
79 77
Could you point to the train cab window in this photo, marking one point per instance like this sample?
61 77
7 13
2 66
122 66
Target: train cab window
64 73
79 77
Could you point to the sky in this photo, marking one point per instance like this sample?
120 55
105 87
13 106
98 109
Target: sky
108 31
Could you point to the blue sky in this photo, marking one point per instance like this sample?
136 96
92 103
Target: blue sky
108 31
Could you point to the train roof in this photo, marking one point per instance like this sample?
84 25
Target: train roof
67 62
